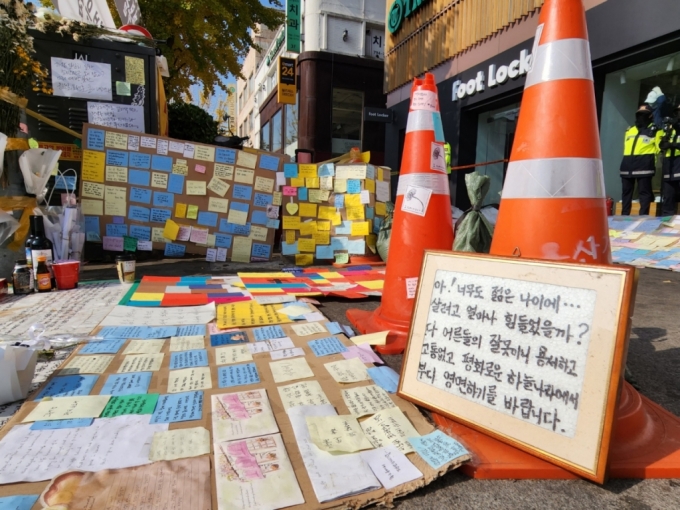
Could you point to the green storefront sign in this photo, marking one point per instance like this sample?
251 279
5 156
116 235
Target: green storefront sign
399 11
293 25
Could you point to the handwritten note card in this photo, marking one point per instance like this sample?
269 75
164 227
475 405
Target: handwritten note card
68 386
390 426
233 354
127 384
237 375
307 393
179 444
81 79
348 371
67 408
185 359
437 448
189 379
337 433
179 407
242 415
130 404
366 400
144 347
391 466
306 329
326 346
141 363
87 365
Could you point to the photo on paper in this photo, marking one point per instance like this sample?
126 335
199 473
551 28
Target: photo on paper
416 200
242 415
437 157
255 473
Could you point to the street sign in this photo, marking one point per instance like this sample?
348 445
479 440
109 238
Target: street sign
293 25
287 78
378 115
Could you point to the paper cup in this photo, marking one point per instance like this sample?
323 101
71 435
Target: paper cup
66 274
125 264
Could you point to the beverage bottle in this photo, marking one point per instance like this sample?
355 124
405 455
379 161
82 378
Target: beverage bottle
43 278
40 246
27 247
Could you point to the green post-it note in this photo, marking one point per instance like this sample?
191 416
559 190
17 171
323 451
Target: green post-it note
192 212
342 258
130 404
129 243
123 88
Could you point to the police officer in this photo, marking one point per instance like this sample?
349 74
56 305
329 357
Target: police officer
639 161
670 145
447 155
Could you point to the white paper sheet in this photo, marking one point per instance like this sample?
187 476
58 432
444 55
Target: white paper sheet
146 316
391 466
332 476
121 116
81 78
35 455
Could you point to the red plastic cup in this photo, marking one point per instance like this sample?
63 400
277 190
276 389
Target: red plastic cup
66 274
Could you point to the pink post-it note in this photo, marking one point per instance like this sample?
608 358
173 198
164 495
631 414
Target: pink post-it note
200 169
290 191
113 243
199 235
363 352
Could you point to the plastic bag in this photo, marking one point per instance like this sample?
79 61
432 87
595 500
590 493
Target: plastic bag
473 230
3 144
36 166
385 232
8 225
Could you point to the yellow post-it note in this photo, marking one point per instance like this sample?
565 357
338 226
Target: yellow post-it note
291 223
290 236
93 190
326 213
307 228
336 219
134 70
180 210
312 182
308 328
141 363
316 196
157 235
69 408
304 259
352 201
307 170
340 186
380 209
246 159
171 230
115 201
218 205
244 176
323 226
93 166
326 183
116 174
307 245
196 188
241 248
224 171
263 184
87 365
340 433
322 238
186 343
144 347
365 400
390 426
348 370
297 182
277 198
204 153
179 444
249 313
373 284
360 228
180 169
305 393
218 186
189 379
355 213
379 338
237 218
116 140
308 210
290 370
159 180
192 212
369 185
380 173
92 207
233 354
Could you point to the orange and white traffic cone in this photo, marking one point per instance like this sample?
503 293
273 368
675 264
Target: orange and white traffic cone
553 204
422 218
553 207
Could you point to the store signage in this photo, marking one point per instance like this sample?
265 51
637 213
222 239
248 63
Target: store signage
497 76
276 46
400 10
378 115
287 78
293 25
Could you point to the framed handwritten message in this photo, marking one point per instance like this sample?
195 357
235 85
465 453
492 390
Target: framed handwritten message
529 352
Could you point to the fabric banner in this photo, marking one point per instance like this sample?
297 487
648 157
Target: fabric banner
94 12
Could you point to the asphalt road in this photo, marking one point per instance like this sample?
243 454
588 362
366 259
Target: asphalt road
653 359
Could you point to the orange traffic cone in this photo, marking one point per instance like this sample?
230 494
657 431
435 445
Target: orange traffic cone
553 207
422 218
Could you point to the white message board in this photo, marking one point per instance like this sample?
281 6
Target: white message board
81 79
529 352
119 116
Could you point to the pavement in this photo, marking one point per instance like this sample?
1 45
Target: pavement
653 360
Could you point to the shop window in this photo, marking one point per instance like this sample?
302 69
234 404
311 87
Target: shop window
346 120
277 131
290 142
624 92
264 137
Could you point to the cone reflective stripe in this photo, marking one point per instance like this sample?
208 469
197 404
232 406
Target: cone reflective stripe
422 218
553 201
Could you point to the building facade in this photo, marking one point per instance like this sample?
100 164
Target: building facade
480 52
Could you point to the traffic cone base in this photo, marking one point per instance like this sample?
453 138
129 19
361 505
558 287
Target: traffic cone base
645 444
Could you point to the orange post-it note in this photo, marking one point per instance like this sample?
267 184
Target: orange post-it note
180 210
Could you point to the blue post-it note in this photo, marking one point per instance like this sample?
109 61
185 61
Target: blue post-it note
348 331
233 337
207 219
356 247
103 346
438 128
176 184
345 228
92 224
162 163
95 139
370 172
133 383
67 182
259 217
188 359
225 156
139 177
163 199
272 223
140 195
385 377
140 233
160 215
116 158
237 375
339 243
241 192
302 193
140 160
174 250
326 170
339 201
191 330
326 346
23 502
262 251
141 214
114 230
290 170
223 241
268 332
437 448
263 199
353 186
324 252
268 162
370 213
334 328
140 332
289 249
377 222
177 407
68 386
62 424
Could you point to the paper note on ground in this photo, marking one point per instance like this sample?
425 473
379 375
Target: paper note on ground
255 474
391 466
332 476
242 415
365 400
275 344
31 456
385 377
130 404
144 347
180 444
437 448
379 338
290 370
87 365
249 313
153 316
337 433
310 328
189 379
348 370
307 393
287 353
363 352
141 363
187 343
68 408
390 426
233 354
182 484
20 502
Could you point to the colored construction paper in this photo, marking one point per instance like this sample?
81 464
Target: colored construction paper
326 346
178 407
237 375
437 448
130 404
176 184
187 359
102 347
385 377
68 386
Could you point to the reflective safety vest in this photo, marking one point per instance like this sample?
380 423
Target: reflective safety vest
447 155
640 148
671 161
